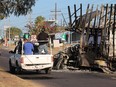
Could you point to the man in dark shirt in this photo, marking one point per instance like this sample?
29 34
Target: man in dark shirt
28 47
43 40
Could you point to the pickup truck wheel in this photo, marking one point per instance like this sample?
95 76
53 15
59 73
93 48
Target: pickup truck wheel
48 70
12 68
17 69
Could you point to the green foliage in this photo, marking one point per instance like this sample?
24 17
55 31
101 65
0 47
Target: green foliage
1 17
16 7
13 32
39 23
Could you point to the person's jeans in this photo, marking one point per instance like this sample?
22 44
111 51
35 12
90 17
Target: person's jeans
42 48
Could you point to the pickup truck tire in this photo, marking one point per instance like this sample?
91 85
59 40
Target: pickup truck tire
48 70
17 69
12 68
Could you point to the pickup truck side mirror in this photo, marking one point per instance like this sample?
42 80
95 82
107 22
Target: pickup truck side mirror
11 52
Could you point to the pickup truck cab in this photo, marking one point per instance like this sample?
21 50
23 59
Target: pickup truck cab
19 62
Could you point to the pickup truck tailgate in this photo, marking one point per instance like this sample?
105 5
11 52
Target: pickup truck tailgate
37 59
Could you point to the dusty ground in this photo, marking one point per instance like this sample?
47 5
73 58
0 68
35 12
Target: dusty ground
9 80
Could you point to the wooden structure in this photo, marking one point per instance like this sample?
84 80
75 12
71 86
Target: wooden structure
97 28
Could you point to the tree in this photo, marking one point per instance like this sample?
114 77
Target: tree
16 7
38 24
13 32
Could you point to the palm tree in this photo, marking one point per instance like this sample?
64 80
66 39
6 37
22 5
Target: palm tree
38 24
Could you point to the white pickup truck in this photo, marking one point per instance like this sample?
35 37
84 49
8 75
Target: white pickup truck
37 62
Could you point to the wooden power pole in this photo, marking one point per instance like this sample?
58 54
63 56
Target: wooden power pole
55 13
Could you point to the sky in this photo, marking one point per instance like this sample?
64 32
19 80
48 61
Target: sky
44 8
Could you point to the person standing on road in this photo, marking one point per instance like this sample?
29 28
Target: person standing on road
43 41
28 47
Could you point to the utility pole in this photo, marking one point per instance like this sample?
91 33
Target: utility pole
5 44
55 13
9 31
30 22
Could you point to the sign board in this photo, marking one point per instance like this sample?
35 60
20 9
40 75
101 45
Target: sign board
56 43
6 27
63 37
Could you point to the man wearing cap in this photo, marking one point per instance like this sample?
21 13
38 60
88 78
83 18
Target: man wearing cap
28 47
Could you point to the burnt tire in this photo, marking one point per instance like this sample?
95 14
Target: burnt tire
48 71
59 64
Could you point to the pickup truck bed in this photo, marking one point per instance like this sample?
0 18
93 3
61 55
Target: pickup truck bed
36 62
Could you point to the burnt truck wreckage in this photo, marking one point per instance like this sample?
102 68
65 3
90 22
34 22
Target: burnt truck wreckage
68 57
97 48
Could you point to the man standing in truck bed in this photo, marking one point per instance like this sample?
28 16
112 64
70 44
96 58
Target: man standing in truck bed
43 41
